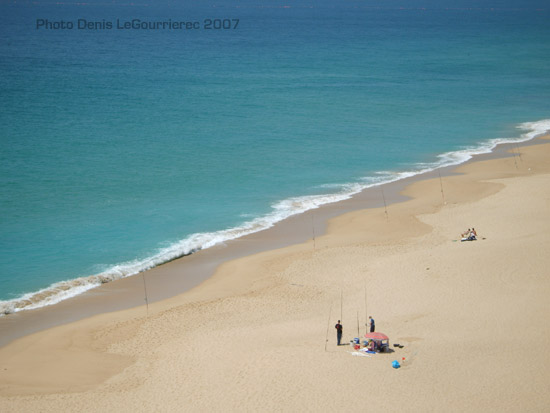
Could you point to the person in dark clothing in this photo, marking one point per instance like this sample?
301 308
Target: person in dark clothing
339 329
371 324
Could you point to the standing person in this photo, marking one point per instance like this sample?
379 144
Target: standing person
371 324
339 329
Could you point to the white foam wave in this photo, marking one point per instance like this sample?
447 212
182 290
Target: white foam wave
281 210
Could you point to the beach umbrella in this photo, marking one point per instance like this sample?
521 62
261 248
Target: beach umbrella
376 336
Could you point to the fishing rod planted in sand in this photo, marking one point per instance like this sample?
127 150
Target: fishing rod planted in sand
313 230
358 334
385 206
441 185
328 326
145 290
366 312
514 155
519 152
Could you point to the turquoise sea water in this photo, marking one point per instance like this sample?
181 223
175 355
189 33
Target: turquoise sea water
121 149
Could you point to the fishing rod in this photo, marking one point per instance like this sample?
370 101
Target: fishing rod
519 152
328 326
313 230
357 323
145 289
441 184
384 199
366 312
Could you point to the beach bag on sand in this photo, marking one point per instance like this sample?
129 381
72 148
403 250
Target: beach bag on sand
395 364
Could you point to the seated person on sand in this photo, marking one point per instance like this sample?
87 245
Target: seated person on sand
371 345
471 235
466 234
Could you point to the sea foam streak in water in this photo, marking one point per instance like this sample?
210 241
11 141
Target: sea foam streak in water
281 210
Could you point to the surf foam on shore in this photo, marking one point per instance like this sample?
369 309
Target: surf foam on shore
281 210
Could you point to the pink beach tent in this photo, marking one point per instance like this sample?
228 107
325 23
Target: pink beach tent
382 341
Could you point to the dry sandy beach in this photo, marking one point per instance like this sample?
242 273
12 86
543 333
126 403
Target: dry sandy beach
473 316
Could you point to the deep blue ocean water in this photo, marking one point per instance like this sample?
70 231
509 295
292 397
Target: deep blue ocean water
121 149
